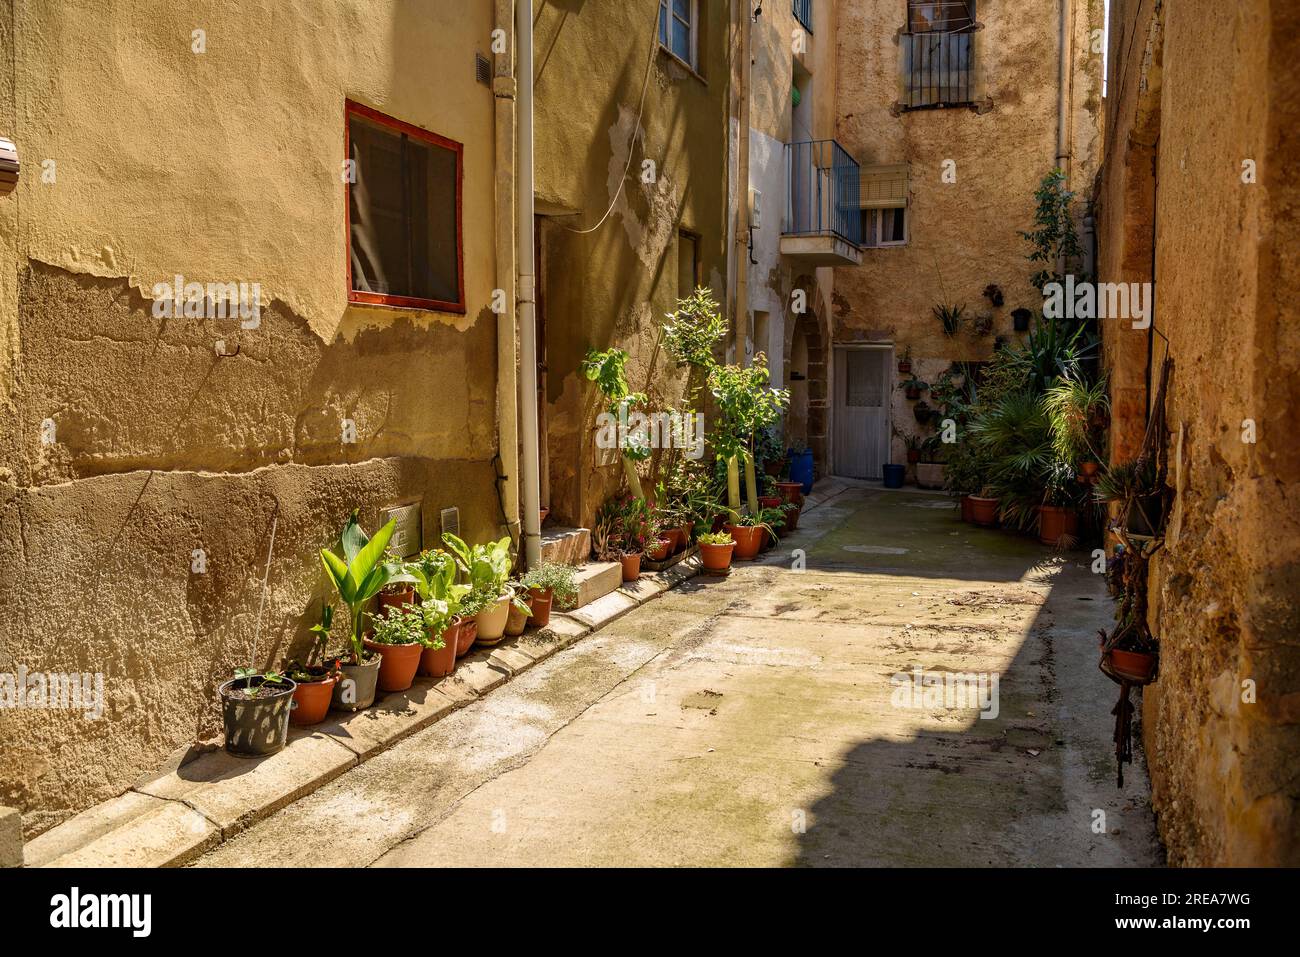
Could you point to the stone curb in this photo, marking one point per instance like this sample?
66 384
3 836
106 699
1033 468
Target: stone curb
175 816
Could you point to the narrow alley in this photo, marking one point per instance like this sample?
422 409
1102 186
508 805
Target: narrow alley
748 721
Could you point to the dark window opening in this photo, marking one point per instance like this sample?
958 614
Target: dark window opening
404 235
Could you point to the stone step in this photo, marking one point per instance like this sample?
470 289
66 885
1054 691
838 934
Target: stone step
569 546
598 579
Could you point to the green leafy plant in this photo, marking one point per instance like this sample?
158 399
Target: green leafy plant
486 567
914 384
694 329
608 370
1054 238
1079 413
400 625
360 574
716 538
746 404
623 527
951 317
561 579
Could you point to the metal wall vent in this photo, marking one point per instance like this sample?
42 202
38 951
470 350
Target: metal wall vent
482 69
450 519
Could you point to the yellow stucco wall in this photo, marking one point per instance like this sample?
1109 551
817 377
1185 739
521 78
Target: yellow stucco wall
612 287
222 166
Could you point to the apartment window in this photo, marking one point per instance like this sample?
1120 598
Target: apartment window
937 53
884 227
688 264
678 23
404 214
882 198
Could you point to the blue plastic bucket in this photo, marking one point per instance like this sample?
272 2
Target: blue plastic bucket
801 469
894 475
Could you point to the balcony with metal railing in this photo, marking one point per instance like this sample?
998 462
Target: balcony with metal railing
822 222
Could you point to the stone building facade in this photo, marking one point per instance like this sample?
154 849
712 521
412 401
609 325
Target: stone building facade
1197 196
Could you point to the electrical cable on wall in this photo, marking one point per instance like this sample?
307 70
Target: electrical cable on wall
645 85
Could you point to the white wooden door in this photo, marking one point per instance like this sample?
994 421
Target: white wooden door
862 385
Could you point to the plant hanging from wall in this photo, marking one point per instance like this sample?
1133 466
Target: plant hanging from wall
951 317
608 370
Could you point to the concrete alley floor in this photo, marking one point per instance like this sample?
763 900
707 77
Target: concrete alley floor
748 721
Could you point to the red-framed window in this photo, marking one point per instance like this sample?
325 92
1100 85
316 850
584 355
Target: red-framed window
404 226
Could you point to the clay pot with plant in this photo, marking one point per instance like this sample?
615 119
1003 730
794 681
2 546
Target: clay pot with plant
521 608
358 575
313 691
751 532
548 583
905 361
486 569
441 602
255 710
716 550
913 387
398 636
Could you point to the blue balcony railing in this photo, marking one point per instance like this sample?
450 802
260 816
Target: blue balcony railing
822 188
803 13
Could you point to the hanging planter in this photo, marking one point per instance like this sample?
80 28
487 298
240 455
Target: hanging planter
922 412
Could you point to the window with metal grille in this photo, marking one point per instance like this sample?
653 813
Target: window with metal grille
404 214
937 50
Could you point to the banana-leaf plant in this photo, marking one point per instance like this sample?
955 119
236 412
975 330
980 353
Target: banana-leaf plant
486 567
746 404
361 573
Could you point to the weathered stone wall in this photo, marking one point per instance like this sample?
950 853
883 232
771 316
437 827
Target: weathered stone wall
130 443
964 235
613 286
1222 727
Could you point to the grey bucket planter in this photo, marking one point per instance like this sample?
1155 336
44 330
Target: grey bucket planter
260 726
355 691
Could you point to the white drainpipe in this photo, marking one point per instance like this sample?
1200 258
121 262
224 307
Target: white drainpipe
529 480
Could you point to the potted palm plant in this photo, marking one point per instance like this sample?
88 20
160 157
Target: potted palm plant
358 575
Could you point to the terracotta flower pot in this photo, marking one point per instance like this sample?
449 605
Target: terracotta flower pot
967 509
660 549
1089 468
983 511
1136 666
904 366
631 567
397 664
542 599
716 558
681 537
913 456
912 394
792 519
396 599
769 501
749 539
311 701
439 662
1056 522
492 621
517 620
468 635
790 492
